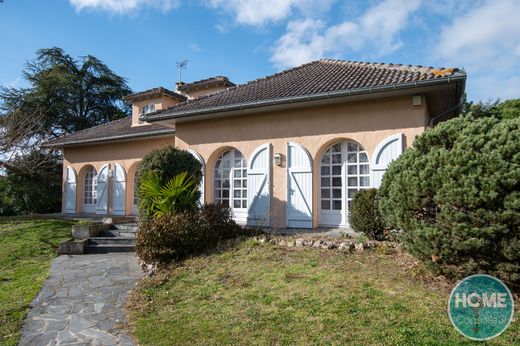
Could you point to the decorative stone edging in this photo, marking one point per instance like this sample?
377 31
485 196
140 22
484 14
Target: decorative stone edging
342 245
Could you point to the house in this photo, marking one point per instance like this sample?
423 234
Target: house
286 150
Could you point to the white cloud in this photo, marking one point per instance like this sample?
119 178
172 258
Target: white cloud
488 36
486 42
123 6
377 29
260 12
195 47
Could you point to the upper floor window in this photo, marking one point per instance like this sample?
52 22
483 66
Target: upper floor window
147 108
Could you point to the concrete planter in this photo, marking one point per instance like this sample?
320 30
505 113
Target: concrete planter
72 247
83 231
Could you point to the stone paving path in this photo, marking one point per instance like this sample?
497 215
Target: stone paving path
81 302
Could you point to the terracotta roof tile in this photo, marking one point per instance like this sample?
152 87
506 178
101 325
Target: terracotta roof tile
115 130
316 77
155 92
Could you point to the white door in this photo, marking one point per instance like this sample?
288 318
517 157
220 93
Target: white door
344 170
90 191
299 187
388 150
203 169
119 193
259 189
230 183
70 191
102 193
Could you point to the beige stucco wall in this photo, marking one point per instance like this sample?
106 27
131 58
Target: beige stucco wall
366 123
126 153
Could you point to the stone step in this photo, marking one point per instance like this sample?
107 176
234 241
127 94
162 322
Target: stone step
107 248
131 227
114 233
111 240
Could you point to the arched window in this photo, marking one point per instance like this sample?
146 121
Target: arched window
344 170
230 180
89 190
147 108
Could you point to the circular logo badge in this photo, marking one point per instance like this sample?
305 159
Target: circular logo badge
481 307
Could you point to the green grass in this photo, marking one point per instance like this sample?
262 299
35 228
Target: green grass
27 247
263 294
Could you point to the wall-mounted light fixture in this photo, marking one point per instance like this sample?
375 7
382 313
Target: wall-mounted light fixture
278 159
110 173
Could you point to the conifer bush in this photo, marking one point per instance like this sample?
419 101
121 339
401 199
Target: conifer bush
456 196
364 214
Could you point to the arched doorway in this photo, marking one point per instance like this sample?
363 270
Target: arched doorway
230 183
343 171
90 190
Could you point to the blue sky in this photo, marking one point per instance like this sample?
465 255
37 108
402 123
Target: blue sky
248 39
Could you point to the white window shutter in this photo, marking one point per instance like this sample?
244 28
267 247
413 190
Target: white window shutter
259 187
70 190
299 187
386 151
203 169
102 194
119 195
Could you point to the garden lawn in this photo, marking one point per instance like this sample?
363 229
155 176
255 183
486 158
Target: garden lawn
27 247
264 294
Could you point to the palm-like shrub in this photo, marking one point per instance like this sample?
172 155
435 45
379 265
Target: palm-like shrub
176 195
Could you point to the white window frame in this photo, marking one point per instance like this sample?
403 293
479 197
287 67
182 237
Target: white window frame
231 166
90 190
147 108
346 166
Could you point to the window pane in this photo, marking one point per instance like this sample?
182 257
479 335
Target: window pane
218 194
352 158
236 184
352 147
363 169
336 193
336 205
225 202
326 158
244 183
225 193
336 158
236 204
244 193
325 170
218 183
336 181
325 182
336 148
325 204
325 193
352 170
364 181
363 157
352 181
237 194
237 173
336 170
244 204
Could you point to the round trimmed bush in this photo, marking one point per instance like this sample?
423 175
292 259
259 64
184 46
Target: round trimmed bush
167 163
364 214
456 196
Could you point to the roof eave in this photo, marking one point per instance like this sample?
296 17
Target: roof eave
108 139
456 77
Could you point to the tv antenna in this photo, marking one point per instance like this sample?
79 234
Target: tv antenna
181 65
